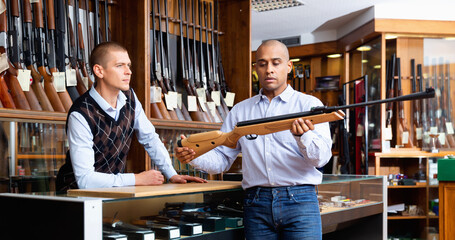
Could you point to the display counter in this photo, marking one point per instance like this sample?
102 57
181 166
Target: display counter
345 200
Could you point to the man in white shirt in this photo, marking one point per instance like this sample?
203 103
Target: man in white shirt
280 169
100 127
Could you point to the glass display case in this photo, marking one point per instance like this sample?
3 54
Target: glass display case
356 199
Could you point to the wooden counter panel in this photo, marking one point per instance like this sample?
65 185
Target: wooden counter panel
160 190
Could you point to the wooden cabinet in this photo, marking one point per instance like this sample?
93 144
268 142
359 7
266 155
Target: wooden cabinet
422 221
446 209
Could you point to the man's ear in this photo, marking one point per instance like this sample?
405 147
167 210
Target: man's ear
98 71
289 66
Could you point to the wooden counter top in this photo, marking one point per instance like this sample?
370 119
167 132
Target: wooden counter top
159 190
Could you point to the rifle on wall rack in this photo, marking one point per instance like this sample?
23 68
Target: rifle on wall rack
51 55
406 138
184 62
28 40
19 99
443 106
448 105
206 141
163 70
39 53
416 106
182 112
15 50
203 78
158 109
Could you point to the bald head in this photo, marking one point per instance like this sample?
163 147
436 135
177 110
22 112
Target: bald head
274 44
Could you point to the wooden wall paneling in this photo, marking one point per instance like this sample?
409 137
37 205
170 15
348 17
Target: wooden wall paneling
131 27
421 27
235 22
315 71
407 49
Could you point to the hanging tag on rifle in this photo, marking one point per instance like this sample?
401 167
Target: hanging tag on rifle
388 133
386 146
24 79
71 78
434 130
442 138
360 130
34 1
85 81
201 101
212 108
426 138
155 94
192 104
4 62
216 97
419 133
172 100
59 81
167 100
201 94
405 138
2 7
179 100
449 127
229 99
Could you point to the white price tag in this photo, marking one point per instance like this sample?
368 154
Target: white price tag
173 97
212 108
155 94
201 94
405 137
2 7
216 97
386 146
59 81
388 133
179 100
360 130
442 138
449 127
437 92
167 99
34 1
4 62
419 132
24 79
192 103
434 130
202 102
85 81
71 78
426 138
229 99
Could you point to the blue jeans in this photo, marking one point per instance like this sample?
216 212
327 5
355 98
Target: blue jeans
282 213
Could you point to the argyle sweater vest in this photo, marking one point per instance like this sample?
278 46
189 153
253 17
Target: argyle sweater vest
111 138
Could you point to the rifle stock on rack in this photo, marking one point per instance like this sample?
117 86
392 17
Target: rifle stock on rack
206 141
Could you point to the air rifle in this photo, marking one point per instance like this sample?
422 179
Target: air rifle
206 141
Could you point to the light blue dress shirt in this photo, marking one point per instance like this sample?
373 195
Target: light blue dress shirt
278 159
80 140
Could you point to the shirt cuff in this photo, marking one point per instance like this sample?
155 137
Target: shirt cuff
169 173
129 179
305 139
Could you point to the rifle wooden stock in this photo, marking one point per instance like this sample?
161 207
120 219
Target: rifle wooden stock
206 141
196 115
31 96
39 90
51 93
18 96
5 96
64 96
155 111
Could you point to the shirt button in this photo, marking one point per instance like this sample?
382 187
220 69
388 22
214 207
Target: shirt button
269 169
273 184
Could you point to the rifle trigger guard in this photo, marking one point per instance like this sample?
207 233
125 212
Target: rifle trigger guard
251 136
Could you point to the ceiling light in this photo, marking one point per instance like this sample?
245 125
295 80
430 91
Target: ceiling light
364 48
336 55
295 60
268 5
364 61
449 38
377 67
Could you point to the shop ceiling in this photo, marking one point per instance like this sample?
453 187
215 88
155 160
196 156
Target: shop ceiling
319 20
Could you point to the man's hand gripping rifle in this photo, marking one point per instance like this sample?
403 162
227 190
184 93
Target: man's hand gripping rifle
206 141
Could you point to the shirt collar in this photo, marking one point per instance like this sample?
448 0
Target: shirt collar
121 100
284 96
